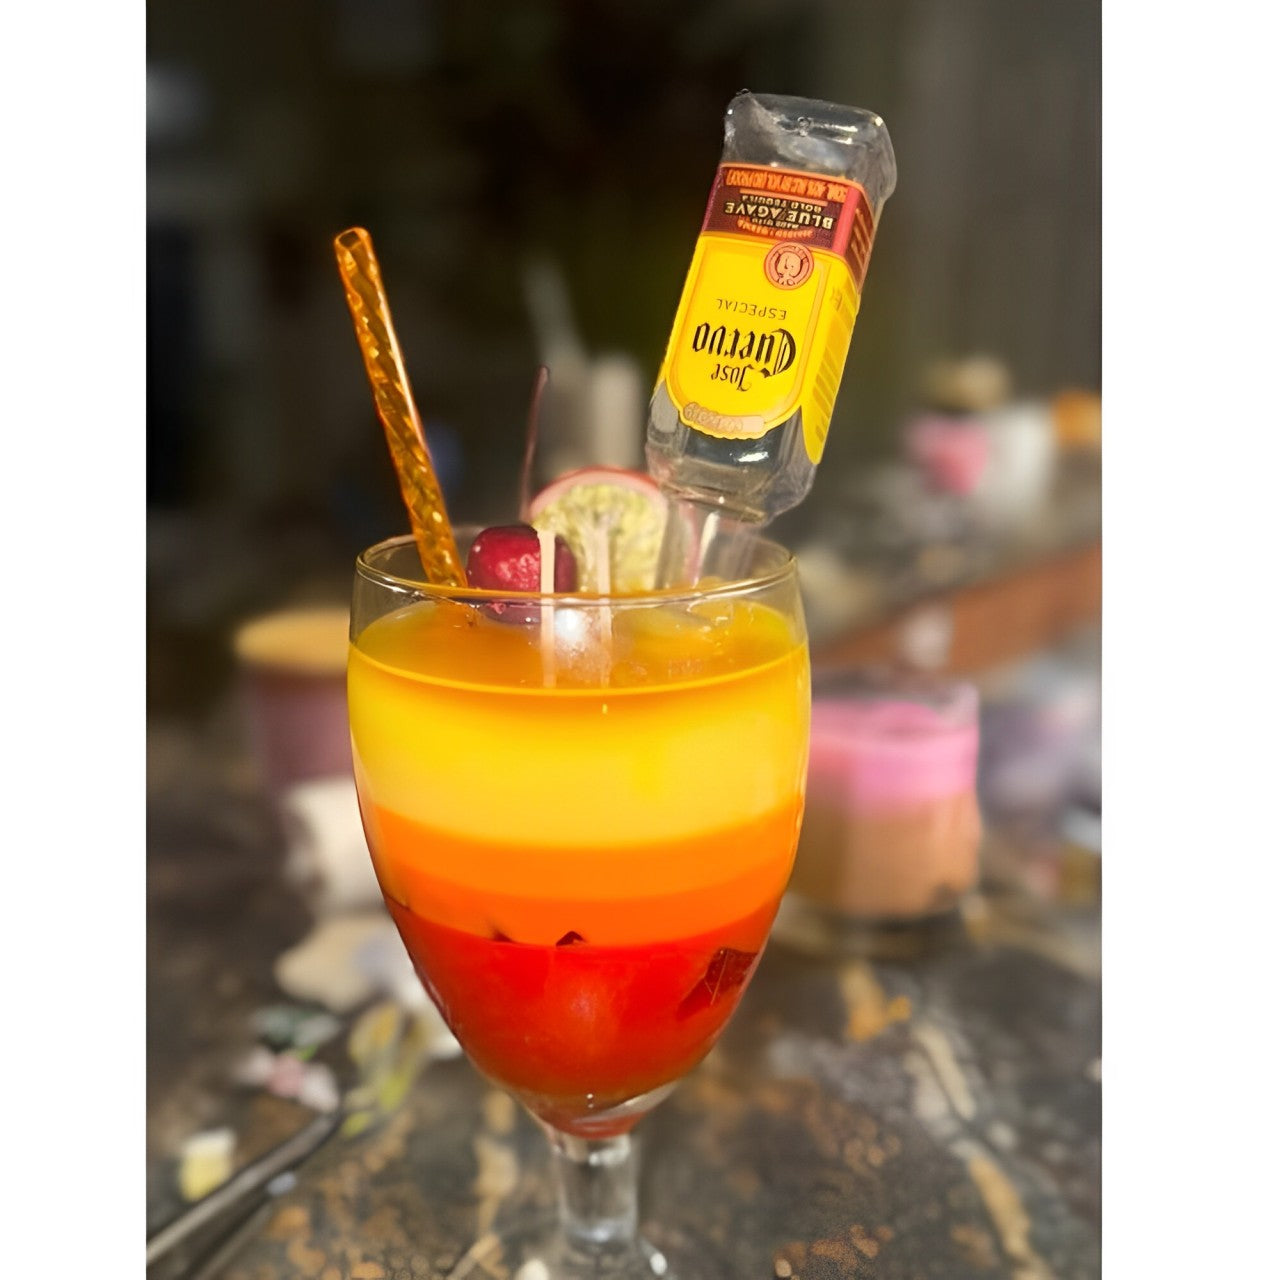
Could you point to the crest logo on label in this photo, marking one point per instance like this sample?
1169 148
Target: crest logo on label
788 264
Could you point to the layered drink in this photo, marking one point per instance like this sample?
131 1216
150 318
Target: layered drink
583 871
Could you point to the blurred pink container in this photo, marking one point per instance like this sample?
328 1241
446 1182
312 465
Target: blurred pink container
293 672
891 827
952 452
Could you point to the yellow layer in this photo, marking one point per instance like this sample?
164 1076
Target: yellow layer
703 726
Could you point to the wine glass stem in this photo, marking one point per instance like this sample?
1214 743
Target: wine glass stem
596 1179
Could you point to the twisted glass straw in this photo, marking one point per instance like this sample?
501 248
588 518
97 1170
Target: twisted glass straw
419 487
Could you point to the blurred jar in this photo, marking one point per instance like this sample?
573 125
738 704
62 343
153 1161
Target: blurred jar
968 385
1077 420
1021 462
891 828
950 451
1037 724
1041 734
293 666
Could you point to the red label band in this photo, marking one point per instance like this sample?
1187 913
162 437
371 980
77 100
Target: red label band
785 204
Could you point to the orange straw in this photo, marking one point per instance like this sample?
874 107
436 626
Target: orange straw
358 266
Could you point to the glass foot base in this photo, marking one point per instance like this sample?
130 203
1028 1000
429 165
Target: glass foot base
580 1122
536 1251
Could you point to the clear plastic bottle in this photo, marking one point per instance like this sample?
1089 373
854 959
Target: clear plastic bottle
743 400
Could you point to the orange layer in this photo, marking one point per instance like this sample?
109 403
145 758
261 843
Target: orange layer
612 896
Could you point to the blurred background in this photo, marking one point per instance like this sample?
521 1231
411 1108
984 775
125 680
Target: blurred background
534 174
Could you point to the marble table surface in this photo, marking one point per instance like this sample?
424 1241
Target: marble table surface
935 1115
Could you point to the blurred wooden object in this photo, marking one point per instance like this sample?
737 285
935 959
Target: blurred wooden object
993 622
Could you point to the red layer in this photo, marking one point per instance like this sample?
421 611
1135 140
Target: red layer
577 1029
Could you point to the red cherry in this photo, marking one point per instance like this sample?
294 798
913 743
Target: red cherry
508 557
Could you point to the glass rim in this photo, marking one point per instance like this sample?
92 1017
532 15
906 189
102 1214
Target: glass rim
717 589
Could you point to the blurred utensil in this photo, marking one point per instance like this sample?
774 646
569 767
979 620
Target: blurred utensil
382 1053
224 1213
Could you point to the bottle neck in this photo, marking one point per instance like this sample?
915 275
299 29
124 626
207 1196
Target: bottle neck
702 539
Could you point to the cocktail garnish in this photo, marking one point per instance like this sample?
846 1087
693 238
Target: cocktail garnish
507 557
606 514
516 557
726 972
531 440
602 560
384 366
547 544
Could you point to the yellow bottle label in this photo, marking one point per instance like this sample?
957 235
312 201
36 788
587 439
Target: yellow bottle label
768 307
